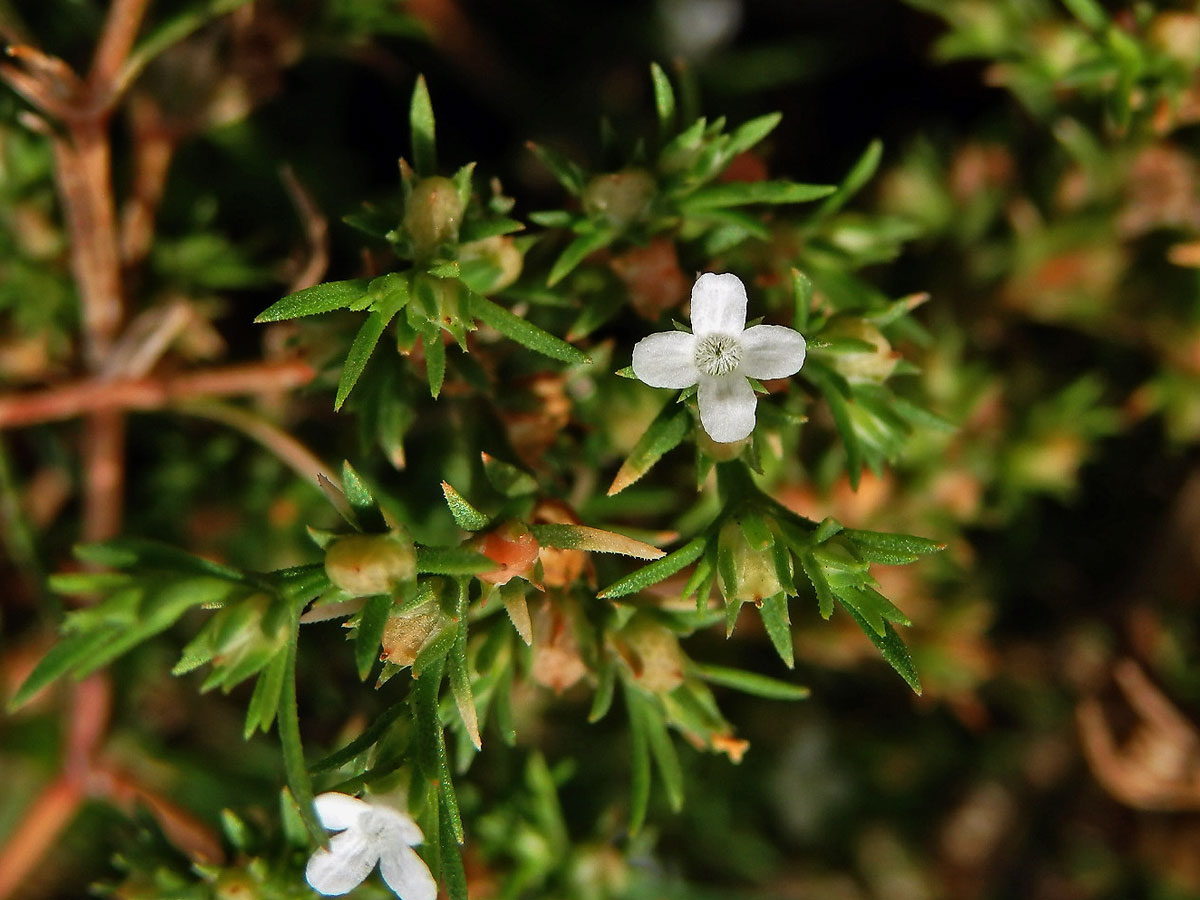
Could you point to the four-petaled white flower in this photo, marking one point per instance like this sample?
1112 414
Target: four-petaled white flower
719 355
368 834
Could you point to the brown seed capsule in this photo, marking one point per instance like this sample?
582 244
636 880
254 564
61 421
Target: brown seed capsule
367 564
512 547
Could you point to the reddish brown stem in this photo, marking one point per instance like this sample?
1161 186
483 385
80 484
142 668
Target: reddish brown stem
95 396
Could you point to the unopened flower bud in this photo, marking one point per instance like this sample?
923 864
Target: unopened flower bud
754 570
1177 34
557 663
512 547
496 259
236 886
433 213
863 365
652 653
367 564
621 198
404 636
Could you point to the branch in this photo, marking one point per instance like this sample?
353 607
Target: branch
93 395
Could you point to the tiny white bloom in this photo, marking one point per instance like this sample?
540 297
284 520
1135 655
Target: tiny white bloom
368 833
719 355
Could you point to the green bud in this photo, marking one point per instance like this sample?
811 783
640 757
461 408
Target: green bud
752 571
433 213
490 264
622 198
866 365
367 564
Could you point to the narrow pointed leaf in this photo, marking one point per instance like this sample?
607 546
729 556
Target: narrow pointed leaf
751 683
289 738
320 298
860 173
525 333
583 246
465 515
657 570
506 478
820 584
665 433
892 648
740 193
664 99
584 537
774 612
424 141
370 632
568 174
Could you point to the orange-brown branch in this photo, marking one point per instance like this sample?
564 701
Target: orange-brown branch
95 396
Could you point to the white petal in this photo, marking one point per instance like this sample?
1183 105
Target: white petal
727 405
718 304
399 825
771 351
666 359
342 867
407 874
338 812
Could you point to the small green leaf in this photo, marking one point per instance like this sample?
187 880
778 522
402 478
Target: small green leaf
317 299
820 583
420 118
774 612
362 502
892 648
460 676
451 561
597 540
523 332
750 133
751 683
264 702
69 653
507 478
639 765
465 515
363 742
665 433
289 738
802 295
860 173
661 747
579 249
872 606
435 361
831 386
657 570
568 174
1089 12
432 656
453 874
370 632
664 100
606 679
740 193
360 351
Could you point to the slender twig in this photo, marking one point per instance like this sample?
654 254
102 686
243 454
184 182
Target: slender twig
121 27
153 147
298 457
316 230
95 396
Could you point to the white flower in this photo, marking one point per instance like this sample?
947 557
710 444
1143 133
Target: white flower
720 354
368 834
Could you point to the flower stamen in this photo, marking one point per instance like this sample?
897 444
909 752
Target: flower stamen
718 354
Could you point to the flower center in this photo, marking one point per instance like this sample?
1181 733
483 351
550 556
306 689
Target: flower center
718 354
